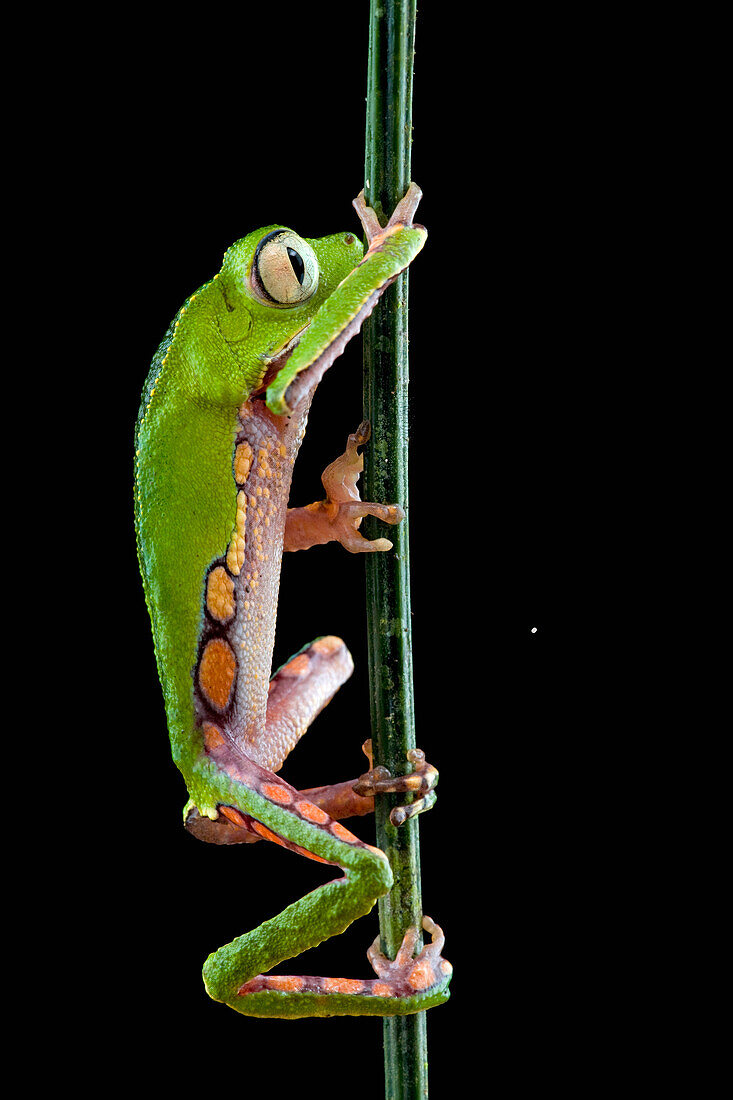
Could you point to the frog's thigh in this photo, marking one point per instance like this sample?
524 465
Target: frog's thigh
298 692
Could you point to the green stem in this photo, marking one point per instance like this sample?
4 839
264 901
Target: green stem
387 176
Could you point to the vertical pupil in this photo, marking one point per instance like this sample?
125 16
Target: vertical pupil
297 264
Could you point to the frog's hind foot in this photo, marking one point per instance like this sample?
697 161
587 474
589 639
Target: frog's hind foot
408 974
420 783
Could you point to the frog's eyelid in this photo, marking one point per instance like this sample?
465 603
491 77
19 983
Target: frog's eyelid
265 240
255 269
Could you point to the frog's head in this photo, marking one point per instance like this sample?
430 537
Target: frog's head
272 283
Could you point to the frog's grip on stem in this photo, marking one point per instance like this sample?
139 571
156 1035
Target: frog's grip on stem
420 782
402 214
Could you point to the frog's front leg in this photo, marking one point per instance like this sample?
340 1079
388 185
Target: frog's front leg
337 518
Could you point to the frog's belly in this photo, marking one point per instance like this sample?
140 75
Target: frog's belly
241 588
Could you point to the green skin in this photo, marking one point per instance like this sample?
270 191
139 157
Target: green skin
230 343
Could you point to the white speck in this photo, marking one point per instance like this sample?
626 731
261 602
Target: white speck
534 630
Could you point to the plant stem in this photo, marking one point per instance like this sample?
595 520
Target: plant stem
387 176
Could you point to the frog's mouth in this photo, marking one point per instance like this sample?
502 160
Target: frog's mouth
275 363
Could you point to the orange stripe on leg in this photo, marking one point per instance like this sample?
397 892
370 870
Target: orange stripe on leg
267 833
311 812
339 831
233 815
276 793
310 855
297 667
342 985
327 645
287 983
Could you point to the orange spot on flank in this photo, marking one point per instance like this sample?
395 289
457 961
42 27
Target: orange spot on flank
217 671
242 462
220 594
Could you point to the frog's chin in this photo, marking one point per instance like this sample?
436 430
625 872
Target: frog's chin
274 363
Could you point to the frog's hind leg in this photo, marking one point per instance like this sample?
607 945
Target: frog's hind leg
252 800
298 692
409 983
237 973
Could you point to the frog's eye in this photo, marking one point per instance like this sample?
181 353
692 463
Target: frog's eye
285 269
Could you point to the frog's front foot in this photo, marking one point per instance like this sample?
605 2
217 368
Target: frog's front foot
337 518
343 524
402 217
409 974
420 783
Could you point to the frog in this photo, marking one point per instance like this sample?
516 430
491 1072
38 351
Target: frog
222 416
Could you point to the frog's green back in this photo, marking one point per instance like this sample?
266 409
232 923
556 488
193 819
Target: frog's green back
181 445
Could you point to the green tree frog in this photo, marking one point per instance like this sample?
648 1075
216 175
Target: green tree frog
222 416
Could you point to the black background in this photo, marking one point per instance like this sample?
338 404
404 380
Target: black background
166 145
